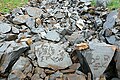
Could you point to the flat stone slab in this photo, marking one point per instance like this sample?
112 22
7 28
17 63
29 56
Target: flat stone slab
52 54
99 57
4 27
110 21
53 36
20 19
34 12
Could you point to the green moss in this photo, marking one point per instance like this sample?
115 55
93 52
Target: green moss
114 4
93 3
7 5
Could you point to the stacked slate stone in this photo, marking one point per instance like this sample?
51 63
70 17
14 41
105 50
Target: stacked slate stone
60 40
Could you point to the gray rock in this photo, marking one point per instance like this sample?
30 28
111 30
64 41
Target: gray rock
80 23
115 79
51 54
16 75
20 19
16 12
30 23
34 12
36 77
102 3
37 30
53 36
2 37
111 39
98 22
108 32
59 15
13 77
110 21
57 74
9 59
15 30
98 57
4 27
20 64
76 37
4 46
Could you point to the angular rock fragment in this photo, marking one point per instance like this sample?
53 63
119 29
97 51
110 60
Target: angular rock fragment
4 46
108 33
111 39
59 15
20 19
4 27
98 22
15 30
98 57
67 71
34 12
21 64
30 23
57 74
52 36
75 77
37 30
8 60
16 75
102 3
11 37
36 77
80 23
16 12
110 21
52 54
47 71
75 37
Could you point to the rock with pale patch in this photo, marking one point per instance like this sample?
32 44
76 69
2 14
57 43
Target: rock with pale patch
80 23
20 64
99 57
4 27
52 54
15 30
34 11
20 19
53 36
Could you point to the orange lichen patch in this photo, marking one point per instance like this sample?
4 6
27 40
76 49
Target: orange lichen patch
29 41
38 21
54 67
114 48
81 46
102 77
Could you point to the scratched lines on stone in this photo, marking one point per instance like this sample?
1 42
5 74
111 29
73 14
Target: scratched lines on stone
100 61
46 52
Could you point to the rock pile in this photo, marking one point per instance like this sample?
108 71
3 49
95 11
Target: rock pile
60 40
